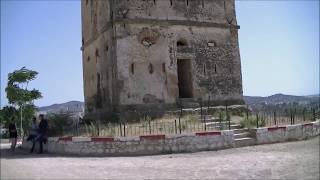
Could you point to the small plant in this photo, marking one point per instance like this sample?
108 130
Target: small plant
192 118
91 129
59 123
251 122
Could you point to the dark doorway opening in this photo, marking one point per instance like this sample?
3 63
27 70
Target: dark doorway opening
184 78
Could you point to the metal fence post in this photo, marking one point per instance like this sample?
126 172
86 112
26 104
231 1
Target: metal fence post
175 125
274 118
120 129
201 110
257 119
208 105
247 112
291 117
304 114
294 114
314 114
220 119
149 126
124 129
227 117
179 126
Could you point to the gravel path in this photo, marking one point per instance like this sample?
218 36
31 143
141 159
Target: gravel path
292 160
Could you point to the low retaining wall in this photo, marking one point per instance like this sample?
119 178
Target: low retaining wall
267 135
141 145
163 144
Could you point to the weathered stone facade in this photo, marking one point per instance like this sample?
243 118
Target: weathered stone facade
141 54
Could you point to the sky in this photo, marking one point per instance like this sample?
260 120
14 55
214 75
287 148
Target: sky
279 47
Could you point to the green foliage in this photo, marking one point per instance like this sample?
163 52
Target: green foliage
251 122
19 95
221 114
29 111
59 124
7 113
192 118
17 92
92 129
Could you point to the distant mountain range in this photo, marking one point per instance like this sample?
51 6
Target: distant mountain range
78 106
71 106
281 99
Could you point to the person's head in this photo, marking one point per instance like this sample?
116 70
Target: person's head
34 119
41 116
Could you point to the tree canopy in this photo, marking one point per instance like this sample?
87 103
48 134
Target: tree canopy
17 92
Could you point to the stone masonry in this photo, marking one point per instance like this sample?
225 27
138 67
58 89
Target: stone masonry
140 54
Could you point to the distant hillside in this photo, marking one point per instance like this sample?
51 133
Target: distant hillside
281 99
77 106
72 106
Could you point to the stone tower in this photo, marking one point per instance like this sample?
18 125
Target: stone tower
150 54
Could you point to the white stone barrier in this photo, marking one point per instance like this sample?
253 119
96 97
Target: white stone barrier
139 145
162 144
275 134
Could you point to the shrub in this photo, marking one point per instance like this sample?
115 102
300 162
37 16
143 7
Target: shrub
59 124
92 129
251 122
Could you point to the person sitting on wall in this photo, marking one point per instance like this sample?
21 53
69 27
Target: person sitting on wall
33 133
42 133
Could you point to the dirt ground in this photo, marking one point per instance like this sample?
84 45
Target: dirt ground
291 160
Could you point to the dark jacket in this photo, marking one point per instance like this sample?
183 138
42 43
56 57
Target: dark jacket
43 127
13 131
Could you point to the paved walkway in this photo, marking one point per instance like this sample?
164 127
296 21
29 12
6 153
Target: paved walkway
293 160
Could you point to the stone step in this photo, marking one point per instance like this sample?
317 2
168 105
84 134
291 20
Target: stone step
238 131
235 126
241 142
218 123
209 117
241 135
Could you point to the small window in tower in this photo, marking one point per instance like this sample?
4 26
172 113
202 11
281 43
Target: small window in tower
150 68
187 2
170 2
204 69
111 15
88 59
215 68
212 44
107 48
97 52
164 67
132 68
154 1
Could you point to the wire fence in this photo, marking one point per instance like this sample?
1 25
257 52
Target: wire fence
196 120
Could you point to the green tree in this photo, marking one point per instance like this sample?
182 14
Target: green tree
6 114
19 96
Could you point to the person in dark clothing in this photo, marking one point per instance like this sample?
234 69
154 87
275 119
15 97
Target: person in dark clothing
42 133
13 134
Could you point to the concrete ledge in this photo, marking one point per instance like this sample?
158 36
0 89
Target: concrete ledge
66 138
286 133
180 143
152 137
209 133
81 139
102 139
276 128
